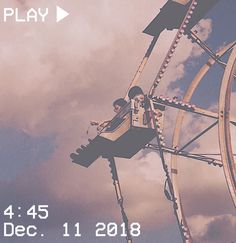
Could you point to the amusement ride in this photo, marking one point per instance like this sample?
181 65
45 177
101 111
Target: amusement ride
141 122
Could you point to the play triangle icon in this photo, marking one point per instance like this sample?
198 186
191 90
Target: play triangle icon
61 14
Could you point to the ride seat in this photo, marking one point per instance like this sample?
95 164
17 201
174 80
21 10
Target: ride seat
127 133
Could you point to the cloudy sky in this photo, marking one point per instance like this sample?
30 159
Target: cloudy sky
55 78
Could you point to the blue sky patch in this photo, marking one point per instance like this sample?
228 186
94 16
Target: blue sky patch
19 150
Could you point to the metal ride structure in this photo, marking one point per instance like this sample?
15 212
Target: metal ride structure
140 127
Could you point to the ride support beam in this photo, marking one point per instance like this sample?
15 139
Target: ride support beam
225 140
200 157
142 65
198 136
119 197
184 107
203 45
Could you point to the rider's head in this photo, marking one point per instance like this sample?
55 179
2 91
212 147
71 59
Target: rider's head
118 104
136 93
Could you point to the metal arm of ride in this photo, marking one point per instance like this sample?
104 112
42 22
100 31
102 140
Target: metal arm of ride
200 157
195 110
196 137
172 48
119 197
185 233
142 65
203 45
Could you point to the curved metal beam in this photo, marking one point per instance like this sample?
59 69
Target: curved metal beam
176 137
229 164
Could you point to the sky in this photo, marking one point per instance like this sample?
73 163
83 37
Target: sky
56 77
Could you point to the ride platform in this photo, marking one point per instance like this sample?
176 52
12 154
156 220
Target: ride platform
127 133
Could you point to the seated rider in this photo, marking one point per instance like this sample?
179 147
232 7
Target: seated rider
118 104
136 93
